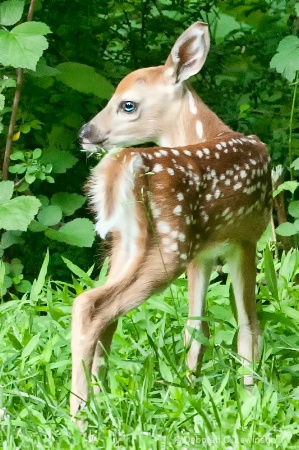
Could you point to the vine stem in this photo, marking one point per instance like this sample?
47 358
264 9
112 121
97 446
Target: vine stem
15 106
291 125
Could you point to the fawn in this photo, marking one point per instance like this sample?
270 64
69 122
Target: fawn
205 191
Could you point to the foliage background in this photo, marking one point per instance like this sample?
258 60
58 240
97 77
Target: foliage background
250 79
91 46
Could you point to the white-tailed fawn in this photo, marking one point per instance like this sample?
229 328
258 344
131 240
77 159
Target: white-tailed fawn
205 192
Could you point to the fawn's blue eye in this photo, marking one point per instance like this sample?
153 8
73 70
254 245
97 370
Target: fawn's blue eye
128 106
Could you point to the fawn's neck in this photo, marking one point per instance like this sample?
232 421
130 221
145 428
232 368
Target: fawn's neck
191 122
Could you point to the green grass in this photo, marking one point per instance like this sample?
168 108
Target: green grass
148 402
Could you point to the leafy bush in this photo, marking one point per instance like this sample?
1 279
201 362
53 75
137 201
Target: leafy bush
61 80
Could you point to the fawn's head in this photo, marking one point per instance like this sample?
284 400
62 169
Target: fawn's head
148 103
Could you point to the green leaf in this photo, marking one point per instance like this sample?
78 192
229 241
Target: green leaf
28 349
286 60
39 283
36 153
6 191
43 70
270 274
18 155
78 271
50 215
61 160
18 212
9 238
294 208
23 45
286 186
295 164
2 102
286 229
11 12
69 203
36 227
84 79
165 371
79 232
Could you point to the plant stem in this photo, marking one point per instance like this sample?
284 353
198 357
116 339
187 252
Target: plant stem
12 123
291 125
15 106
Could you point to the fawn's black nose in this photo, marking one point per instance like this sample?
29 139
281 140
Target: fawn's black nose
87 132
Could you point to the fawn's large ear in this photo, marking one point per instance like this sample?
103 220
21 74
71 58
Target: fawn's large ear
189 53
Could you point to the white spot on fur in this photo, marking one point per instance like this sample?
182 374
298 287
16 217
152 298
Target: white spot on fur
192 104
187 152
199 153
157 168
182 237
180 196
170 171
178 210
199 129
174 246
238 186
163 227
175 152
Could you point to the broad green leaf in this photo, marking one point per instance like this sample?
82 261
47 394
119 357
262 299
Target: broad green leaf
11 12
28 349
61 160
9 238
18 212
221 25
79 232
286 186
68 203
286 229
43 70
50 215
295 164
23 45
84 79
36 227
36 153
6 191
294 208
286 60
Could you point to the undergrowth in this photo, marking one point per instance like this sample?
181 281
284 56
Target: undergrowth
148 401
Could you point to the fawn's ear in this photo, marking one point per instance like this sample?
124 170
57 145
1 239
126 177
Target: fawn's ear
189 53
